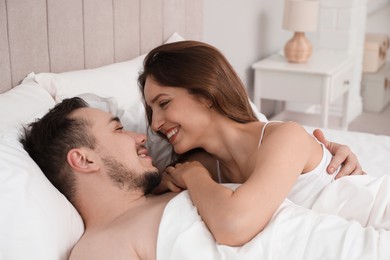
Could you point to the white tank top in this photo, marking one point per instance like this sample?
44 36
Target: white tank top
309 185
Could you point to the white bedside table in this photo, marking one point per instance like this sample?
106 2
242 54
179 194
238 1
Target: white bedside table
324 78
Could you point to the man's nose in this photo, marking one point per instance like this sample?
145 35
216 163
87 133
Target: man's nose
140 139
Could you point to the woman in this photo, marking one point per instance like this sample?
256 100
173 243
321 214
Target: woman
194 98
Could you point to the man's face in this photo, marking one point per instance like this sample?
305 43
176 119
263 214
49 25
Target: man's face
122 152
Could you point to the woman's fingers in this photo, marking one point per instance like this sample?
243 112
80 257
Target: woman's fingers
167 183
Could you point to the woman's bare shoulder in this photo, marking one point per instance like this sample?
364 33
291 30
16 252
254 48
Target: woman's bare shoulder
291 140
289 128
285 139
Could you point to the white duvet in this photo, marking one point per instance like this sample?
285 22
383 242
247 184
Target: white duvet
361 231
294 232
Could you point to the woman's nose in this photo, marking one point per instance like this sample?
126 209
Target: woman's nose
157 122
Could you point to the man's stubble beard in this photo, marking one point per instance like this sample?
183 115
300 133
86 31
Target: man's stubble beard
126 178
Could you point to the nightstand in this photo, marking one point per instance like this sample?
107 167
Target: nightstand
324 78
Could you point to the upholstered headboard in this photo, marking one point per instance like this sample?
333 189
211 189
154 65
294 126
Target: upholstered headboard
63 35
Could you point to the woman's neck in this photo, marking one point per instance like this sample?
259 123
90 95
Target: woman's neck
233 144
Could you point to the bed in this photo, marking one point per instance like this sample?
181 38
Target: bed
51 50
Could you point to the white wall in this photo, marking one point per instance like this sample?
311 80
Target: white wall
249 30
245 31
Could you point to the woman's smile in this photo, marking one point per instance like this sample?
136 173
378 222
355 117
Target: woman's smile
171 133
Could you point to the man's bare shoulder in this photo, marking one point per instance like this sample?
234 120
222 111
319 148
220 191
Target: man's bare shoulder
133 235
103 245
121 239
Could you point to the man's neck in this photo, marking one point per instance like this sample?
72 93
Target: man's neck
98 210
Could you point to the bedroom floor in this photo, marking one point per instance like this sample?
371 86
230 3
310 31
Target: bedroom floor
376 123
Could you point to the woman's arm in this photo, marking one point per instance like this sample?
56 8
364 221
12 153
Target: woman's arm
342 155
235 217
167 182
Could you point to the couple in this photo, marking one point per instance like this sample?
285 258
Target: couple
105 171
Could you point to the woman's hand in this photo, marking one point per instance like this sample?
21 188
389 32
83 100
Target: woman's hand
342 155
180 171
166 184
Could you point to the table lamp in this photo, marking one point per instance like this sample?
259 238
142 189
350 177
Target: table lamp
300 16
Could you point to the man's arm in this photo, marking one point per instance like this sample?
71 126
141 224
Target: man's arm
342 155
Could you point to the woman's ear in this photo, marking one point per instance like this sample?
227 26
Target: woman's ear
80 159
208 102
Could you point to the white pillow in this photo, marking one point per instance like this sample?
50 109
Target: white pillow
37 221
23 103
117 80
259 115
175 37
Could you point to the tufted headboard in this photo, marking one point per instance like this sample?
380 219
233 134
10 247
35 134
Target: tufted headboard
57 35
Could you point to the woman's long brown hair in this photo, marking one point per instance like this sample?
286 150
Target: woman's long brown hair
202 70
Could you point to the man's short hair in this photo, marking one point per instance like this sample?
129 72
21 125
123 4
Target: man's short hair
49 139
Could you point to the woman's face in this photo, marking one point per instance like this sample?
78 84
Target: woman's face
182 117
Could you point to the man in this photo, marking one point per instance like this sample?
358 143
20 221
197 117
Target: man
106 173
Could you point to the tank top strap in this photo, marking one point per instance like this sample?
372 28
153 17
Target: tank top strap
262 133
263 130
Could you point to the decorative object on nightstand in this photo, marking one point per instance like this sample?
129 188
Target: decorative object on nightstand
300 16
375 51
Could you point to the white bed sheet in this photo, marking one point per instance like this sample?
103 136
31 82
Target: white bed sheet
294 233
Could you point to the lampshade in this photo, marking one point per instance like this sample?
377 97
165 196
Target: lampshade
300 15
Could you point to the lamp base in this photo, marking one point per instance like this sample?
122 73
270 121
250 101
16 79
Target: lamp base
298 49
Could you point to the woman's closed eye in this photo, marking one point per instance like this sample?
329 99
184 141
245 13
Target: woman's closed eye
163 103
